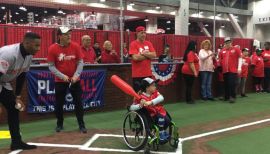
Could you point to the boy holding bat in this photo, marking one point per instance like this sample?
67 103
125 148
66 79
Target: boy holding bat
151 104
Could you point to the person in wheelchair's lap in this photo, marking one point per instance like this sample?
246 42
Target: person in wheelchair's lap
151 101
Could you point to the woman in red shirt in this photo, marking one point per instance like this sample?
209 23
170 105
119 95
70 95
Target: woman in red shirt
190 69
109 55
258 71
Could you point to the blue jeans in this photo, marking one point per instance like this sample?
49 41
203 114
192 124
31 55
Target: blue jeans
206 84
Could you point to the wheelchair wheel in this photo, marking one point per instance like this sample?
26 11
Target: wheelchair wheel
174 136
135 131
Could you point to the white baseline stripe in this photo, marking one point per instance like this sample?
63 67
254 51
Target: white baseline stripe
122 150
224 130
55 145
90 141
15 152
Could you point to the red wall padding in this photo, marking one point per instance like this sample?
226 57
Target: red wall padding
13 34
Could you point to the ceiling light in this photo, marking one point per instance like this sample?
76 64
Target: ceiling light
168 28
168 21
37 21
132 4
102 0
36 15
219 14
201 12
157 7
17 13
206 25
45 11
3 8
45 19
21 20
222 26
15 22
236 16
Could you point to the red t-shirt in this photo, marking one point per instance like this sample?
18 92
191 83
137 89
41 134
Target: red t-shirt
244 70
89 55
191 58
153 109
229 59
106 57
141 68
266 55
259 66
65 58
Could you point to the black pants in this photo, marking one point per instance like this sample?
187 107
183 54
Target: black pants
189 80
136 83
60 94
7 98
266 79
230 80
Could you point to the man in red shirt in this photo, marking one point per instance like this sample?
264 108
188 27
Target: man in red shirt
231 63
87 50
266 58
65 61
141 52
109 55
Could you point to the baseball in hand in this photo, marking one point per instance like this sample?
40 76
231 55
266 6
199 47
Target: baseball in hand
18 106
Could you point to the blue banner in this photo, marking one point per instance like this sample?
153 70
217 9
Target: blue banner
41 92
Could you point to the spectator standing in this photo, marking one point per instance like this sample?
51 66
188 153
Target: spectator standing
266 58
109 55
190 69
206 57
87 50
65 61
231 65
141 52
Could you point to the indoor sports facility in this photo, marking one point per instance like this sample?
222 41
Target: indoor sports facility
134 76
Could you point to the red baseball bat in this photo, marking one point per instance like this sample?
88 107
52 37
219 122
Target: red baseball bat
126 88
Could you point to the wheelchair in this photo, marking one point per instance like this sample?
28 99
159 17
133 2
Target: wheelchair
141 132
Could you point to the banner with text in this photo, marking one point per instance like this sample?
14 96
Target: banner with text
41 92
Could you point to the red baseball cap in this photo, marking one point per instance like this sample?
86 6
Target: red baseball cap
139 29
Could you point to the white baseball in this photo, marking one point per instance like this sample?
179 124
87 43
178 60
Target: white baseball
18 106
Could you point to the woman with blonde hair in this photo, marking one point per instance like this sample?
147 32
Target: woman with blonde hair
206 69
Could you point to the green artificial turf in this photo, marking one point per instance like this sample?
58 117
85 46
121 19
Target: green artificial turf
183 114
253 142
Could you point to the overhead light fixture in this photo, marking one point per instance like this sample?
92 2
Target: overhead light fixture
37 21
146 19
168 21
36 15
15 22
45 19
236 16
21 20
132 4
219 14
45 11
201 12
17 13
60 11
102 0
23 8
222 26
157 7
189 23
168 28
3 7
206 25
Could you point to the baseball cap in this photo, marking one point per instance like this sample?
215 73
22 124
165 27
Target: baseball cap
227 39
245 49
62 30
139 29
146 82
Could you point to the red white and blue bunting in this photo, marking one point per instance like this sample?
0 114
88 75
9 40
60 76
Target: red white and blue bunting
166 73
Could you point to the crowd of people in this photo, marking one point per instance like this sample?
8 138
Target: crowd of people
229 61
232 66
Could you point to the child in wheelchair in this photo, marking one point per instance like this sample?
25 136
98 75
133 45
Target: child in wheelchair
151 102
